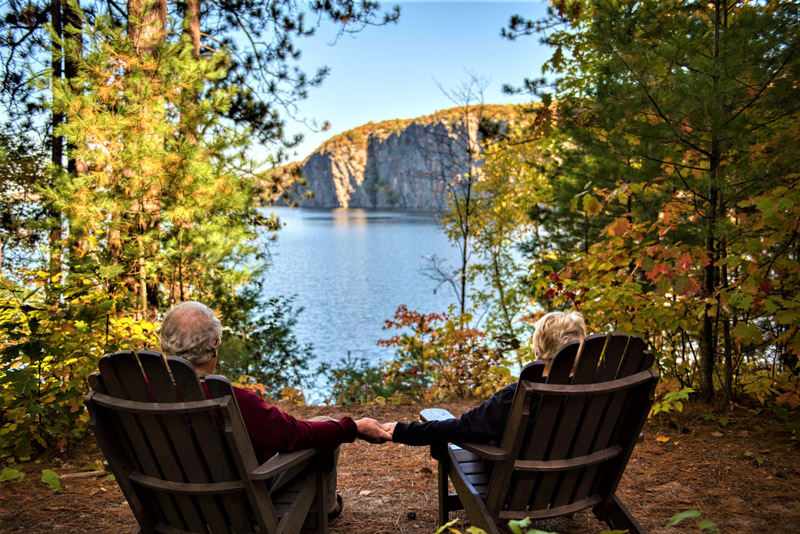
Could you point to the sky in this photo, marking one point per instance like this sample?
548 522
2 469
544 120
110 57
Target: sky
394 71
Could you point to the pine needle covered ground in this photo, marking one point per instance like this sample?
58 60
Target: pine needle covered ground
743 475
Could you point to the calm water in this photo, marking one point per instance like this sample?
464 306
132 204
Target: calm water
351 269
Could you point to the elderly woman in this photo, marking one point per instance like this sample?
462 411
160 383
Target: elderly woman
486 423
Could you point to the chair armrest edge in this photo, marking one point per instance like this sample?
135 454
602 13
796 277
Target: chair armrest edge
435 414
281 462
485 450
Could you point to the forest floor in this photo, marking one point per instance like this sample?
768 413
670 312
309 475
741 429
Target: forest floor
743 475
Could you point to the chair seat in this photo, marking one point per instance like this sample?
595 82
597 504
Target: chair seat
475 468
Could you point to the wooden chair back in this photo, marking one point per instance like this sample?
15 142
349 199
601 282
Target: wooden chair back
569 439
182 458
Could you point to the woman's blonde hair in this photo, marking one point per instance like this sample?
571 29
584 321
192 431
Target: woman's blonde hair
555 329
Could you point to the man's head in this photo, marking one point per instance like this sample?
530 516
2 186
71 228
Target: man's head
555 329
191 331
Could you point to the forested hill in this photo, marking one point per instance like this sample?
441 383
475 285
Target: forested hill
401 163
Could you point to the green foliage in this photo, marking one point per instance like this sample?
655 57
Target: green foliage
21 224
353 380
784 415
148 198
671 400
442 357
9 473
515 526
49 347
703 524
670 196
51 479
687 514
166 186
262 346
758 459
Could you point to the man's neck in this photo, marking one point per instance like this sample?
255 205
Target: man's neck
206 368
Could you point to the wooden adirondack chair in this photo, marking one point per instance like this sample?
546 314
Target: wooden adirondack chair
566 443
184 461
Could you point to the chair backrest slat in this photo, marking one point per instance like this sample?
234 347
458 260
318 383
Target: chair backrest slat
538 436
136 430
519 417
569 420
244 460
632 362
594 407
188 452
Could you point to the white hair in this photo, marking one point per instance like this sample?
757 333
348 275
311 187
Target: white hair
190 330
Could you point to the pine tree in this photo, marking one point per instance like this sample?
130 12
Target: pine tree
683 110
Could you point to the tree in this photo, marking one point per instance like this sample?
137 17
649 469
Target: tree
508 188
156 107
693 106
455 155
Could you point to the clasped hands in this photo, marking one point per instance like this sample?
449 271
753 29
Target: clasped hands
374 432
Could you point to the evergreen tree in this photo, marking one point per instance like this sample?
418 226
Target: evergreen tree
682 113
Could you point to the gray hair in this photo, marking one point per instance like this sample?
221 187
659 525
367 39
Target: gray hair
190 330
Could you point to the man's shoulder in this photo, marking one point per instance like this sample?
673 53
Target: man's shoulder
244 395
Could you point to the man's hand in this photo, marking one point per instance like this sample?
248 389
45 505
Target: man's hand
372 431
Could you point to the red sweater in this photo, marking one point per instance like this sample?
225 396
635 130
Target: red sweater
272 430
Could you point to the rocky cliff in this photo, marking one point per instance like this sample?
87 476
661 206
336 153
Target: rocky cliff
396 164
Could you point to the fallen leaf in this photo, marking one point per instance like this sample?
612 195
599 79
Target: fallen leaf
365 492
717 434
662 439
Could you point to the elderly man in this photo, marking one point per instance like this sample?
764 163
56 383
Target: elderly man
190 330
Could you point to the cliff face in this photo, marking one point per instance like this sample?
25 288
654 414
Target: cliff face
394 164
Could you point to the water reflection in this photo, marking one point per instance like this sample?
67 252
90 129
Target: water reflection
351 269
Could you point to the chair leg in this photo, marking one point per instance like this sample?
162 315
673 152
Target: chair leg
322 504
444 513
618 517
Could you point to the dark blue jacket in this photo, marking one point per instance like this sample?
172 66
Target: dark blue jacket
484 424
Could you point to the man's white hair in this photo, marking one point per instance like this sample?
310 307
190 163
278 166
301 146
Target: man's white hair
190 330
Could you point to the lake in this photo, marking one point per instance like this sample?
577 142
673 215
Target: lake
350 269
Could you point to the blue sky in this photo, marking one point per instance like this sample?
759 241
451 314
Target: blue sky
392 72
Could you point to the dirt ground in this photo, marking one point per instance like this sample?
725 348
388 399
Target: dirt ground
743 475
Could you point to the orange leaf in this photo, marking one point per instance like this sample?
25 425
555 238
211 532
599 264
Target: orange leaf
619 227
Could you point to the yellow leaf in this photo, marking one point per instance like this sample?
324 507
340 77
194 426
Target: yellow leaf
591 205
662 439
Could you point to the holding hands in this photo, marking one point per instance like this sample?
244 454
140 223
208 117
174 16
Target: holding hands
372 431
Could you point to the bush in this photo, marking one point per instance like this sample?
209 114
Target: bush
442 357
354 380
49 346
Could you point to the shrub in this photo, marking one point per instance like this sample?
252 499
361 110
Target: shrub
443 357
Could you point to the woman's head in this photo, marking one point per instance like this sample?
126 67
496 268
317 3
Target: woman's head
554 330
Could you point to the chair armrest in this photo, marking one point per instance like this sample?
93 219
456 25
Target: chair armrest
281 462
484 450
435 414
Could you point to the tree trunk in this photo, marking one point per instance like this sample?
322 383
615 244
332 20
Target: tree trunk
707 342
147 25
56 141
